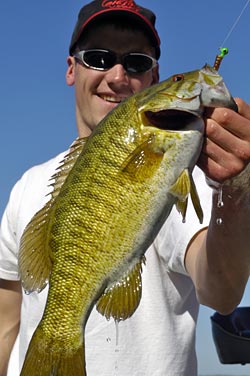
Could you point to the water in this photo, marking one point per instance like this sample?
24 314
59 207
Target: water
116 345
220 205
117 350
220 202
219 221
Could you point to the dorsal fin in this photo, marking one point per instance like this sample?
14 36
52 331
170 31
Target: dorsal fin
66 165
34 256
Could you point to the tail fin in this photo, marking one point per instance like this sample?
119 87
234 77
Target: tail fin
43 359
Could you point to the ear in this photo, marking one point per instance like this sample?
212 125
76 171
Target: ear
155 75
70 73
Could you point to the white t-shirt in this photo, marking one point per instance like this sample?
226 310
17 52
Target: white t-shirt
159 339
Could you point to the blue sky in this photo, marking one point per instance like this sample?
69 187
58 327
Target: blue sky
37 108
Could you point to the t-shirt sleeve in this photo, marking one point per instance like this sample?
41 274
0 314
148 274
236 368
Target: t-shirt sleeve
28 196
8 238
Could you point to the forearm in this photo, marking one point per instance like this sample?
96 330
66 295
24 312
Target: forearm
7 340
222 264
218 260
10 303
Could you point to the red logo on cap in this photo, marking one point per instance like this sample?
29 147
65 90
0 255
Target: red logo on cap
128 4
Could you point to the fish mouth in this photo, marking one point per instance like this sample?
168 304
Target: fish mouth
172 119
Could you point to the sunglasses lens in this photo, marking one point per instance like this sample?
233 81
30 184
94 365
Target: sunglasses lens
103 60
99 59
137 63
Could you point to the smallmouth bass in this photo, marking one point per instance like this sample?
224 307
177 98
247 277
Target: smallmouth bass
111 196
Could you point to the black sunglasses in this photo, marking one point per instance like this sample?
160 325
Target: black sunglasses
102 60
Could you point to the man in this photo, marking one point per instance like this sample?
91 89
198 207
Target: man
187 263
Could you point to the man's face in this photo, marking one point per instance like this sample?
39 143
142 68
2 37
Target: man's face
98 92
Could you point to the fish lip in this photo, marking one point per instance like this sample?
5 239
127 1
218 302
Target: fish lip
172 119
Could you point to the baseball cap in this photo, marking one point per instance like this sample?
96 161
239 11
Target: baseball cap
99 9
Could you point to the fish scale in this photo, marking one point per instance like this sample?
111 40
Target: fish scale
109 202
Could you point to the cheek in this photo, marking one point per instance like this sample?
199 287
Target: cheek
88 80
138 84
79 91
82 86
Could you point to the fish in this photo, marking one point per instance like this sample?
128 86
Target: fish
110 197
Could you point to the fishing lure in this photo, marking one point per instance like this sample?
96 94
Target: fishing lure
218 59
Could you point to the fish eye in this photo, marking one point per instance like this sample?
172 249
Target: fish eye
178 77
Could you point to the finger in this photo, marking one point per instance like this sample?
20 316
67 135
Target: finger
217 163
225 140
223 157
233 122
243 108
212 169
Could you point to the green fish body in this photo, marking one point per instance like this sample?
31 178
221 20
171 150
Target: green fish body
111 196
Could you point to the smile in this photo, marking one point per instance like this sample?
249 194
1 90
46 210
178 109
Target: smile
109 98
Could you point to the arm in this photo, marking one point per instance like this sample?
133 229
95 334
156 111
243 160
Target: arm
10 304
218 259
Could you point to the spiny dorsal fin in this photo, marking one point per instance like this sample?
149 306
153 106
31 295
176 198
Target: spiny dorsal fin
66 165
34 257
121 300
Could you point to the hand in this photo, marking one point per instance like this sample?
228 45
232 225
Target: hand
226 149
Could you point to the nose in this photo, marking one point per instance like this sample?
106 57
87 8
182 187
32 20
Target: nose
117 75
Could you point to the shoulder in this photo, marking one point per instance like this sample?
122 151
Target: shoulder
42 171
31 192
38 176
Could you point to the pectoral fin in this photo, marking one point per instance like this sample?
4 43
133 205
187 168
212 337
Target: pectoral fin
142 163
121 300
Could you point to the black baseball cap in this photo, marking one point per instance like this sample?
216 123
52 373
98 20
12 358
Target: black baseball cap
99 9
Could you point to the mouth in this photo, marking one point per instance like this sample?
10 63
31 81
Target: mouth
172 119
111 98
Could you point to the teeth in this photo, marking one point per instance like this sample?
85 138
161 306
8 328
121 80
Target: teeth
110 99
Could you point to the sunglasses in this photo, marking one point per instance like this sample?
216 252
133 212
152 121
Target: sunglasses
102 60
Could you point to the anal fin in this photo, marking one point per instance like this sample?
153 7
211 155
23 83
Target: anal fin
35 255
121 299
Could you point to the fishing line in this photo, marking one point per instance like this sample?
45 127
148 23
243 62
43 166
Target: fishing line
223 50
236 22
